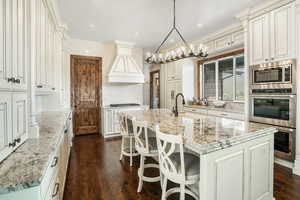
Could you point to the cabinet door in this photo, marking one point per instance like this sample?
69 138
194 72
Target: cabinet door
282 33
171 70
178 69
5 43
223 42
19 110
5 125
19 57
108 119
259 39
238 38
171 92
210 46
3 68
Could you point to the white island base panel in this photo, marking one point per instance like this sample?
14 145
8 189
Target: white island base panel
242 172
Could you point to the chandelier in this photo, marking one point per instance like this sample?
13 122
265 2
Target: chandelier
185 51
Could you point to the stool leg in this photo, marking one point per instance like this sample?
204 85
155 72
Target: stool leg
122 147
164 188
182 192
131 151
141 173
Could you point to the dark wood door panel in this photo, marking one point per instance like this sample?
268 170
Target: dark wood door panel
86 93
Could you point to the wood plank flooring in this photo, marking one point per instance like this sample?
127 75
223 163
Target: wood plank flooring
95 173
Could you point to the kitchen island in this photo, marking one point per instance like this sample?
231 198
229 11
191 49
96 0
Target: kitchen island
236 157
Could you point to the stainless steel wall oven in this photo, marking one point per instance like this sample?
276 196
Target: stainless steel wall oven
273 101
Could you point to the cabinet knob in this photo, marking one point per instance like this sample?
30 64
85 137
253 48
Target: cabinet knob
266 59
12 79
18 81
18 140
272 58
12 144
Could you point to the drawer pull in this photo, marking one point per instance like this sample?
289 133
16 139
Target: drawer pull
223 114
193 110
66 131
56 190
12 144
17 140
55 161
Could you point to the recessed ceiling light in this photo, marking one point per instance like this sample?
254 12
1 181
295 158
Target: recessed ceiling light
92 26
199 25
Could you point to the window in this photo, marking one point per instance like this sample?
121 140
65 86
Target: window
210 80
223 79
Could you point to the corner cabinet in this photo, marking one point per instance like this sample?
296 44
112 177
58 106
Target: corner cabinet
272 35
13 122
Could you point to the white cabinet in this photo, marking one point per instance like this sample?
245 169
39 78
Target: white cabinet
272 36
19 106
48 51
14 44
223 42
111 125
183 82
13 121
5 125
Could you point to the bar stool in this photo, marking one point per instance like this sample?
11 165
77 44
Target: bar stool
126 130
146 145
180 167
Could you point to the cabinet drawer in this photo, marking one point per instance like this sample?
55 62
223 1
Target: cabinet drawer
226 114
196 110
50 175
53 190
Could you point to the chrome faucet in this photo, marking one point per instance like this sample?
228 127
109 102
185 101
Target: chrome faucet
175 110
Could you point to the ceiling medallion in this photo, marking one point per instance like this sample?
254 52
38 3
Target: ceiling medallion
185 51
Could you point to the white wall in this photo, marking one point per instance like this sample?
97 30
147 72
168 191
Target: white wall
111 93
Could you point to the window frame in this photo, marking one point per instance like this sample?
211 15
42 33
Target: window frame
216 61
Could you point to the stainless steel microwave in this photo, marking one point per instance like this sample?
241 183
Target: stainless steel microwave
276 76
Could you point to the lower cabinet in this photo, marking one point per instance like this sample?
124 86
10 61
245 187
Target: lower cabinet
13 122
111 126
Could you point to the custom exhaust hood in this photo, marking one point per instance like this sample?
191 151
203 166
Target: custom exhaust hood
125 69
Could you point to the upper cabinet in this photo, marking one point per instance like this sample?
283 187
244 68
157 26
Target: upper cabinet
225 40
48 44
271 35
14 18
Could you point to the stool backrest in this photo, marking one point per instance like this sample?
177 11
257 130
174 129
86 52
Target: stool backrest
123 123
167 145
140 132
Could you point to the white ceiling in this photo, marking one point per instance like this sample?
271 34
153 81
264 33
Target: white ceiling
146 22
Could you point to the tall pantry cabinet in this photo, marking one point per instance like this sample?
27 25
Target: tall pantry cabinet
14 64
178 78
19 55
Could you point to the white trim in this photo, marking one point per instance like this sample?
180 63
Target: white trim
284 163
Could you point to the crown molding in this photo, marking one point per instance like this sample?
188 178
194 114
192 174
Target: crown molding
262 8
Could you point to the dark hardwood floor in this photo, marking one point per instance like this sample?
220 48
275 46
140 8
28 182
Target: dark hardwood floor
95 173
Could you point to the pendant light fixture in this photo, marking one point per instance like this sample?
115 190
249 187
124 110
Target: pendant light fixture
180 53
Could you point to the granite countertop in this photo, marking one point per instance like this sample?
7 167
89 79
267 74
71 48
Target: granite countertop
203 133
26 167
210 107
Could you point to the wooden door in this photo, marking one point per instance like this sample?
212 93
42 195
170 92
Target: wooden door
86 93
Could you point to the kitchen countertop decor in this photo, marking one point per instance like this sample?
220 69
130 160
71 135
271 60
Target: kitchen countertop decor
26 167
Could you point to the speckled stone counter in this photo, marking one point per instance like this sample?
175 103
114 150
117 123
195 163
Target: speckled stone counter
203 133
26 167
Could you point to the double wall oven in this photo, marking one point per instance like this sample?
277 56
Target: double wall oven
273 101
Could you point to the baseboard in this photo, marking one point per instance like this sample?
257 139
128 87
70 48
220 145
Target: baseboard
284 163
